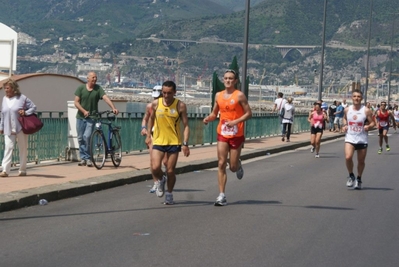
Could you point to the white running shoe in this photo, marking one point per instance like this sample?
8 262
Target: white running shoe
317 156
350 182
169 199
358 184
154 188
312 149
240 171
161 187
221 201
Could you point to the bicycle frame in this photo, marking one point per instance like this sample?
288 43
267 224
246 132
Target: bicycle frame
102 147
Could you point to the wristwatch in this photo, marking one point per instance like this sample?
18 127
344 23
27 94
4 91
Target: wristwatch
185 144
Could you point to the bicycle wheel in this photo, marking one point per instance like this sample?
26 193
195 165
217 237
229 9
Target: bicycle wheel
116 146
98 149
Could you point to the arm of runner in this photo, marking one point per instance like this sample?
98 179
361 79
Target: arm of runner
345 120
214 113
392 117
186 131
372 123
310 117
150 123
145 119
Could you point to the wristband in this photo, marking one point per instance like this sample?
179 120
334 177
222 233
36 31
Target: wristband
143 127
185 144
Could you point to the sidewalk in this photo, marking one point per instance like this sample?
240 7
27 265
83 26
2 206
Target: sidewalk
54 181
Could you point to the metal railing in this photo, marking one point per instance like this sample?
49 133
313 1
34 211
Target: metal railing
51 143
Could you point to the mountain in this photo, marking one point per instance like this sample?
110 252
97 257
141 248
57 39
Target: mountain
101 21
117 27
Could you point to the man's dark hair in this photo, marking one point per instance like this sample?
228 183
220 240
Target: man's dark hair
357 91
170 84
280 94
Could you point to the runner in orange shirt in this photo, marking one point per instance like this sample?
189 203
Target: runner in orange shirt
233 108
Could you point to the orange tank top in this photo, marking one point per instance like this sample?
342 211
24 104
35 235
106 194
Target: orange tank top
229 109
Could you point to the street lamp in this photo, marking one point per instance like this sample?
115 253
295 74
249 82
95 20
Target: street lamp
390 58
245 47
322 50
368 54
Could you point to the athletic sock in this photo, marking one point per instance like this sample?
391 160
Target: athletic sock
351 174
359 178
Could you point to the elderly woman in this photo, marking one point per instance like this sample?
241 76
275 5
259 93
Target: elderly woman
14 105
288 119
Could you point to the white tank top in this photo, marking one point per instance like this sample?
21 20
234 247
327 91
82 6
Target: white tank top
355 119
396 114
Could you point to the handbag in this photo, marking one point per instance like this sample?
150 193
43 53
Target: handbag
282 110
30 124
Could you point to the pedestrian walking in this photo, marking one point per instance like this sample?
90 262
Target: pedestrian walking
233 109
339 114
279 104
14 105
167 114
356 137
331 115
86 101
288 119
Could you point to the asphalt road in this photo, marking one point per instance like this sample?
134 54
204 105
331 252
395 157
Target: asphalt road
290 209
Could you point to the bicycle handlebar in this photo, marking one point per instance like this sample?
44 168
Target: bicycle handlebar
108 112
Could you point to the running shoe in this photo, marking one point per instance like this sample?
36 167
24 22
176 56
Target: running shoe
221 201
161 187
351 180
358 184
388 148
317 156
283 139
154 188
312 149
288 140
240 171
380 151
169 199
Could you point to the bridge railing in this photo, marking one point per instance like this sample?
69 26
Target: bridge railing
51 143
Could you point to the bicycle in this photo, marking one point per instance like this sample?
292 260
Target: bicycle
102 147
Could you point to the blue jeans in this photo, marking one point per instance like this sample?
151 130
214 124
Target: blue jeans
84 128
332 122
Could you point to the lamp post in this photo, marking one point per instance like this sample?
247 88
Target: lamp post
390 59
368 53
245 54
322 51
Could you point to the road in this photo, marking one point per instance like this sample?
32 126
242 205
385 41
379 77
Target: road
290 209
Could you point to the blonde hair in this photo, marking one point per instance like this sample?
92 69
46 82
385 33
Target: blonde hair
14 86
289 99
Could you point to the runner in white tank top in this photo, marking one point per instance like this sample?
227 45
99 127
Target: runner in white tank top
356 130
355 125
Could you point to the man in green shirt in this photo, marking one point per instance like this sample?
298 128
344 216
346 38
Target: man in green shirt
86 101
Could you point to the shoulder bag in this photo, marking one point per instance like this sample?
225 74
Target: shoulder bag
30 124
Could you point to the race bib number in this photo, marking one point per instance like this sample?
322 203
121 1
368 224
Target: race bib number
229 131
356 127
318 125
383 123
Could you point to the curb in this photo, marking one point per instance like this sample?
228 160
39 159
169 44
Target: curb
31 197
